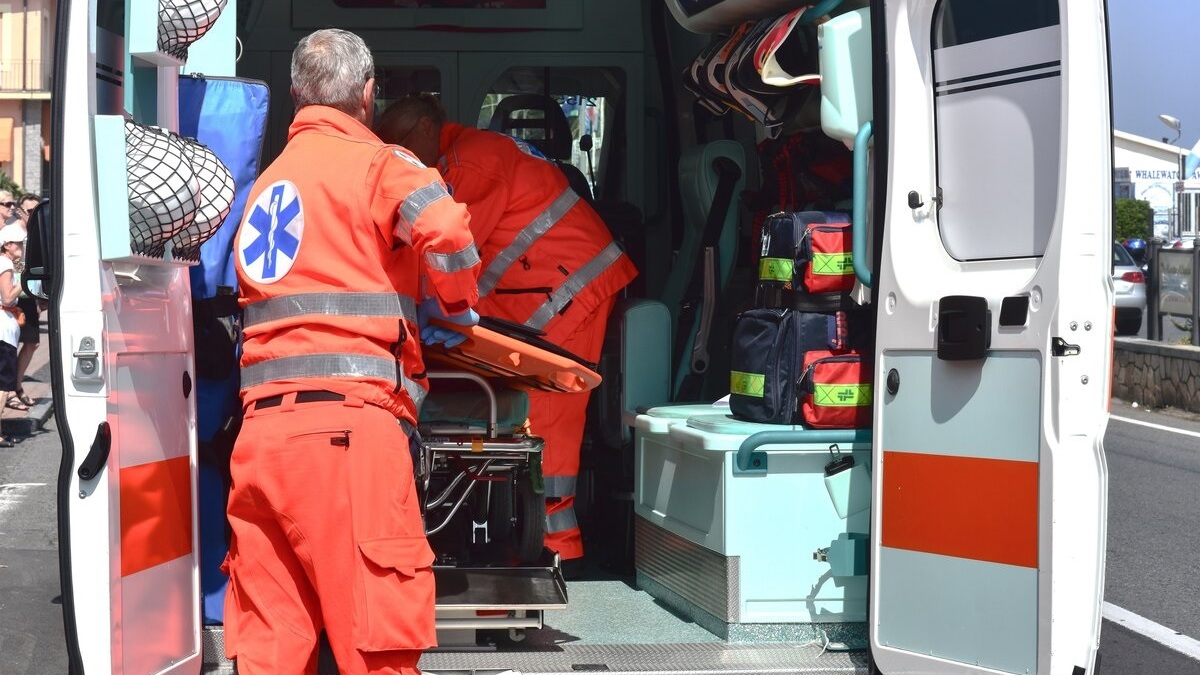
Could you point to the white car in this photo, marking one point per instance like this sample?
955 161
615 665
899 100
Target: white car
1129 284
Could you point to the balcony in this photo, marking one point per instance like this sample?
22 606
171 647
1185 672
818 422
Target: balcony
24 79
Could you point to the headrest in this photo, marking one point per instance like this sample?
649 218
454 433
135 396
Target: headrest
555 141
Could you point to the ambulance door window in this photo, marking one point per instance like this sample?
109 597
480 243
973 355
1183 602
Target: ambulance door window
998 73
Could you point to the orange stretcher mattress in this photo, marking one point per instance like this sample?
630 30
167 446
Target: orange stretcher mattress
492 350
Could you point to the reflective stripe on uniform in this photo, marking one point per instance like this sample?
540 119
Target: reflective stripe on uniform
414 205
561 521
341 304
354 366
453 262
559 486
525 239
574 283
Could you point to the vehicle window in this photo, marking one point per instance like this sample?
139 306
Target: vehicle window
998 105
1121 257
397 81
965 21
588 99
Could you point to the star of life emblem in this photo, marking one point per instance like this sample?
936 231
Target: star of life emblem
269 239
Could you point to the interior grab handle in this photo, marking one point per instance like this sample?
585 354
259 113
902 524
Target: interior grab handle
862 141
750 460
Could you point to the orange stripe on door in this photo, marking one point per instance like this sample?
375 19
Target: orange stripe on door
156 514
963 507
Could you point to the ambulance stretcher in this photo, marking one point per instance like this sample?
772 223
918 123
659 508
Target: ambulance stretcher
480 481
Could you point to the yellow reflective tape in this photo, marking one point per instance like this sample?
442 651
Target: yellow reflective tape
833 264
775 269
747 384
842 395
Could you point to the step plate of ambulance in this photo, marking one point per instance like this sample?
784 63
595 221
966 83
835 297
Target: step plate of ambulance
652 658
484 588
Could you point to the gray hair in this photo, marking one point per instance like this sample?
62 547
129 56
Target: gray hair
329 67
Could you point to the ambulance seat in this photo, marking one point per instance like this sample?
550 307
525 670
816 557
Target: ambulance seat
644 330
512 115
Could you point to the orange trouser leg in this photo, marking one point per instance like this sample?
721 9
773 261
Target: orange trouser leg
327 535
559 420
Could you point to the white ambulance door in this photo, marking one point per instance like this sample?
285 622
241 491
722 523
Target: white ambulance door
994 338
121 351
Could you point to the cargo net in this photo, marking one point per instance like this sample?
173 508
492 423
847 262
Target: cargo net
182 22
179 193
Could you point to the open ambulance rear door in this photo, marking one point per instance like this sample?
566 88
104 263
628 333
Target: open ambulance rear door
121 349
994 338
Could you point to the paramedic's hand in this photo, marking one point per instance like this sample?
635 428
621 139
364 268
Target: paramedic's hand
432 335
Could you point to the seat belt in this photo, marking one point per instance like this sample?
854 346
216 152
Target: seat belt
702 289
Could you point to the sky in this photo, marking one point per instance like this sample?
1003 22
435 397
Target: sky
1155 53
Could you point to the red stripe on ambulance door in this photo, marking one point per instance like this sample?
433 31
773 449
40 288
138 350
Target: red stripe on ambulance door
963 507
156 514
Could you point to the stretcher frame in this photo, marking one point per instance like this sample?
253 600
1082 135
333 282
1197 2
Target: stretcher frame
459 459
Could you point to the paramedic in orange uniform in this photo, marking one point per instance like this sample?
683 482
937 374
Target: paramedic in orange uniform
549 263
327 529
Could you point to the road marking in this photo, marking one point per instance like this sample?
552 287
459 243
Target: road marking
1160 427
1172 639
12 494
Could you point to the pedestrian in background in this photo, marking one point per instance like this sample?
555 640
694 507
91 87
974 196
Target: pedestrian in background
12 239
31 330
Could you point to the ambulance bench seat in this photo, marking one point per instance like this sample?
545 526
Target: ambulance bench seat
641 333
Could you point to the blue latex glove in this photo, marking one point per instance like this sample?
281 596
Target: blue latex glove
433 335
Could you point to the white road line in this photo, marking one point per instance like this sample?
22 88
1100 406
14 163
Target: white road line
1161 634
12 494
1160 427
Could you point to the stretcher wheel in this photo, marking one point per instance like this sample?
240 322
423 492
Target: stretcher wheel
530 525
500 511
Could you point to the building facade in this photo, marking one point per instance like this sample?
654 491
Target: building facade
1149 170
26 54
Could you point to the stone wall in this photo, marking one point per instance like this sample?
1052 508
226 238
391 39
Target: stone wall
1154 374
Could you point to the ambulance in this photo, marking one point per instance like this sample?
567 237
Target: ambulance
961 152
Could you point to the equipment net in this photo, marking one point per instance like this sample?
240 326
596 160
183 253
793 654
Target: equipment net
182 22
179 193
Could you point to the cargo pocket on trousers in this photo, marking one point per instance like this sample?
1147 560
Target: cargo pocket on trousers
394 595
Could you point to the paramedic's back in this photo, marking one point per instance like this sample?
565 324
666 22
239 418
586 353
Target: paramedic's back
327 530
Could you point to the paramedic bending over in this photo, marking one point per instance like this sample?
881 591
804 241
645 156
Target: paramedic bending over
549 263
327 531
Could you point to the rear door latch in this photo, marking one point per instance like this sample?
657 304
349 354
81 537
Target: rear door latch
1060 348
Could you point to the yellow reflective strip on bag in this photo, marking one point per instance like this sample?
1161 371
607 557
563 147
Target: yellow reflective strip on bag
775 269
842 395
833 264
747 384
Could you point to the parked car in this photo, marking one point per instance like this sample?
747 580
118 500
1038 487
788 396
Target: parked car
1129 284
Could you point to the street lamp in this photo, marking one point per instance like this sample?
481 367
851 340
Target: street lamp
1175 125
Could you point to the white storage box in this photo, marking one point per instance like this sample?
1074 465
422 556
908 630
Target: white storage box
738 548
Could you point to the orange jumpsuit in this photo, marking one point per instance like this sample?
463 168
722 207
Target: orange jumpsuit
326 527
549 263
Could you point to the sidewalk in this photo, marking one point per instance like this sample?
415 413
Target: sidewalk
21 423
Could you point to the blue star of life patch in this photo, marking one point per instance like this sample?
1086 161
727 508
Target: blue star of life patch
269 239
